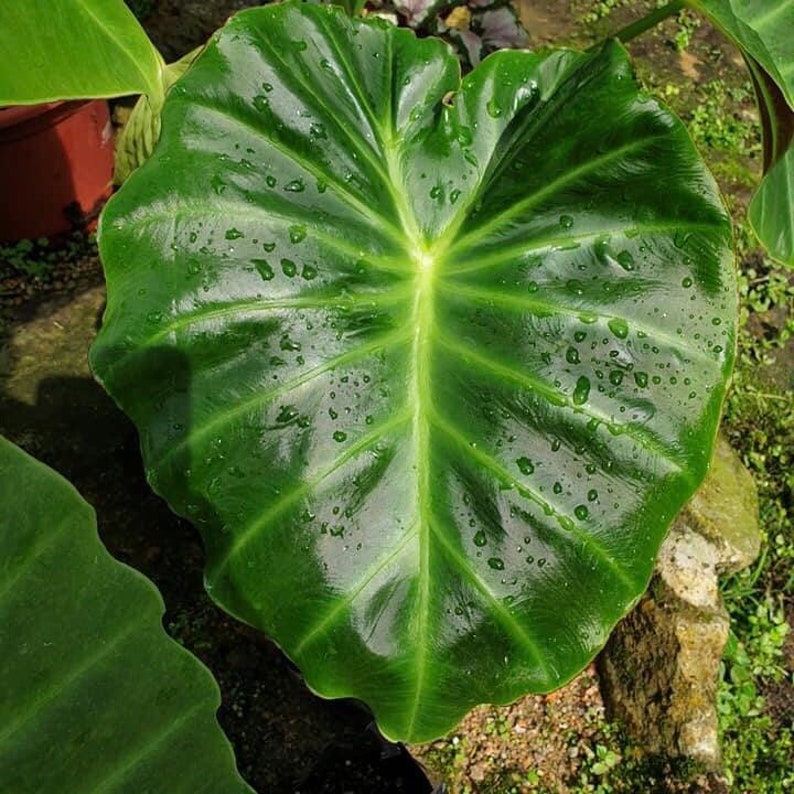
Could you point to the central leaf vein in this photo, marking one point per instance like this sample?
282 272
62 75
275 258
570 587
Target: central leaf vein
419 397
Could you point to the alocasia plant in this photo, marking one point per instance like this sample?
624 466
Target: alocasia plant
95 696
431 362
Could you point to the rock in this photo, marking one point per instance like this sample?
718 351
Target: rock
724 511
659 670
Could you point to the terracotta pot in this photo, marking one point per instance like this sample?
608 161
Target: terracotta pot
56 167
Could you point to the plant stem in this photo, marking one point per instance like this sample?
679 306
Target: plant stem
639 26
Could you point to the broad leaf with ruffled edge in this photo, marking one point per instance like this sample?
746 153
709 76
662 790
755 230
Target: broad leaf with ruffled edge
431 363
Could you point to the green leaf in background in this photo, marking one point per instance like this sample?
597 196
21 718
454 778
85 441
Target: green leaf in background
74 49
432 364
763 29
764 32
96 697
777 118
771 210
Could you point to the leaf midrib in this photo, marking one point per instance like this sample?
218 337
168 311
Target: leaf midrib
418 393
419 396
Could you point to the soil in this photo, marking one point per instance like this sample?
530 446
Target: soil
286 740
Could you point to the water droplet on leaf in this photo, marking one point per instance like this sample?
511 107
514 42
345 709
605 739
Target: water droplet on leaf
297 234
287 414
493 109
626 260
263 268
525 465
618 327
582 391
289 344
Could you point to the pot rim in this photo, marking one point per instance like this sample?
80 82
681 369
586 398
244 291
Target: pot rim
47 112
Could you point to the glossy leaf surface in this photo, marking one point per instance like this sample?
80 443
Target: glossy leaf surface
432 364
74 49
96 697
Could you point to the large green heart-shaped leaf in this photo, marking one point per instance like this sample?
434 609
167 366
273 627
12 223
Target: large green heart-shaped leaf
96 697
431 363
74 49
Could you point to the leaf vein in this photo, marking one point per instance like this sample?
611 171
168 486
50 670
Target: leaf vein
366 151
248 532
224 417
567 523
538 306
561 401
550 189
531 246
514 628
332 615
365 210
